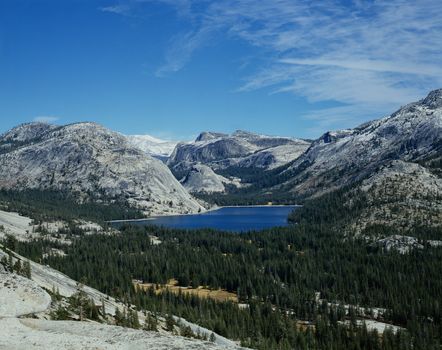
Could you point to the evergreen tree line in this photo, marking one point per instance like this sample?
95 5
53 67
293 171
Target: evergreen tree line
50 205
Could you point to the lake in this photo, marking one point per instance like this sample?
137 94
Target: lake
236 219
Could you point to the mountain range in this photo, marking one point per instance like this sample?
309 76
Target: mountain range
195 163
241 148
96 163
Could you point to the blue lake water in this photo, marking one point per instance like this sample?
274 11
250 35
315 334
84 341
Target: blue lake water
237 219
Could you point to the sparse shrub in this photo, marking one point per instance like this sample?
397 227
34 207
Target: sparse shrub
170 323
60 314
186 331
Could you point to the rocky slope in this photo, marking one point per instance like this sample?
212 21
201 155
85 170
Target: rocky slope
44 334
48 289
92 162
412 134
202 178
388 172
270 158
240 148
219 151
403 195
21 227
403 244
21 297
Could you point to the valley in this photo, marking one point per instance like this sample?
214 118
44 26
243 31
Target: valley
100 239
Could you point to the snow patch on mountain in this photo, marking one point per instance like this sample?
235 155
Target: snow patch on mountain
153 146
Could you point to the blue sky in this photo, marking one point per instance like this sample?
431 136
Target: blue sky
172 68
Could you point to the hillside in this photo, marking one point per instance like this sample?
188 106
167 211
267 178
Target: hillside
91 162
412 134
401 195
47 309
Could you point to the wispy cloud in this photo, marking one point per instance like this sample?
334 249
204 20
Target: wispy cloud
368 56
119 9
370 65
181 49
45 119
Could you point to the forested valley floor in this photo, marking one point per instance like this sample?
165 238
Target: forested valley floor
307 286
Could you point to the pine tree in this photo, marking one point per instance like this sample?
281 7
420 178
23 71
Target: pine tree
17 267
119 317
27 269
151 323
103 309
186 331
212 337
134 321
170 323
